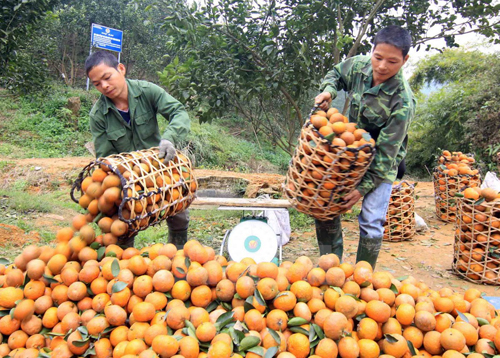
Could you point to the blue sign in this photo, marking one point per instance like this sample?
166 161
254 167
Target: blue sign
106 38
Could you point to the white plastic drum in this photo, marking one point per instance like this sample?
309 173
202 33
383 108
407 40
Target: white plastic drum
254 239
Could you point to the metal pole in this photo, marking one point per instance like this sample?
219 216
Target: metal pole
90 53
119 53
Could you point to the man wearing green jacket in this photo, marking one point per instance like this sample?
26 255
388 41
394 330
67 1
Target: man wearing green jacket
124 120
382 103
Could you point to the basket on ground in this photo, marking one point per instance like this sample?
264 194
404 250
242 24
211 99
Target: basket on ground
454 173
135 188
477 238
400 219
325 168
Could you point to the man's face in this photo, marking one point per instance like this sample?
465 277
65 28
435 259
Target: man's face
387 60
108 80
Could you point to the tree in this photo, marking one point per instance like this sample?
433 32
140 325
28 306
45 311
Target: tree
17 19
265 59
462 114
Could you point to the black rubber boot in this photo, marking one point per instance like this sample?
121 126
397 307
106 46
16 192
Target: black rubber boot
178 238
329 235
368 250
126 242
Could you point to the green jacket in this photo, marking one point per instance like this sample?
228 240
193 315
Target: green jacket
385 111
112 135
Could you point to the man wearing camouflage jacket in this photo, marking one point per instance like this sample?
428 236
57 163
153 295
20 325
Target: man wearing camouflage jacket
382 103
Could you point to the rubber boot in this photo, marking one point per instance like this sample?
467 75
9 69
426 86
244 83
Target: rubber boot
329 235
368 250
126 242
178 238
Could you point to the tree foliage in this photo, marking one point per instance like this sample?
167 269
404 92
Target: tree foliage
17 19
265 59
462 114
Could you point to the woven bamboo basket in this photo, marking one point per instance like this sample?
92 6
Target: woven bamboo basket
477 241
445 189
400 219
151 191
321 174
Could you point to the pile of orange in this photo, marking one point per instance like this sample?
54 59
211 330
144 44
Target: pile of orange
400 218
454 173
331 158
477 236
152 192
160 302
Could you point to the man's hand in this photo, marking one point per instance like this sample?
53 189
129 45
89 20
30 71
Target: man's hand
323 100
167 151
351 199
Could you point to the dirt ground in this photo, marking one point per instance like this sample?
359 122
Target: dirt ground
428 257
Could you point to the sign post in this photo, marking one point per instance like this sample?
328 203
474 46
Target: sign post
105 38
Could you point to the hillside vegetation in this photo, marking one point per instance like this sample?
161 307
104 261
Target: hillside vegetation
40 125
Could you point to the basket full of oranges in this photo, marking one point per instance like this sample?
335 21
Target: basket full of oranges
454 174
477 237
330 159
400 217
132 191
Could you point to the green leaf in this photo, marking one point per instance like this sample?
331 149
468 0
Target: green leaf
412 348
115 268
181 270
479 201
402 278
257 350
304 331
224 319
212 306
4 261
462 316
366 136
110 254
248 342
318 330
95 245
275 335
297 321
271 351
360 317
260 299
482 321
338 290
100 253
50 279
236 335
187 262
83 331
189 324
312 335
390 338
118 286
394 289
80 343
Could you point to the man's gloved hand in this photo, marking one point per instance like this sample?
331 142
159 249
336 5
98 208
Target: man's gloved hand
167 150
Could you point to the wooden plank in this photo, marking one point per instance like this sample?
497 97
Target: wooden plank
240 202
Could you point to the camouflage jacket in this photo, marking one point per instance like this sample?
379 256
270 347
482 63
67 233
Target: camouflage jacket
385 111
112 135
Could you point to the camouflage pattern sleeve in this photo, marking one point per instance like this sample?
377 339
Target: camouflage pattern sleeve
339 78
390 148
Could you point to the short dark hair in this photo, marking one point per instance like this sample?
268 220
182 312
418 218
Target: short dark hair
99 57
395 36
